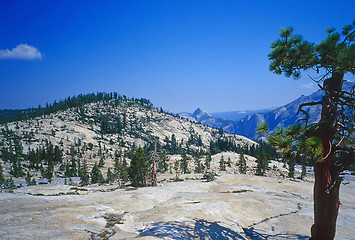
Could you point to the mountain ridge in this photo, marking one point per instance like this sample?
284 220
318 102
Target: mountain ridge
282 116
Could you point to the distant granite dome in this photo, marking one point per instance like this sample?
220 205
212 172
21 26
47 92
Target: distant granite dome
200 115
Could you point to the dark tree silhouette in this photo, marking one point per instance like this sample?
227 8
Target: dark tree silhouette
330 59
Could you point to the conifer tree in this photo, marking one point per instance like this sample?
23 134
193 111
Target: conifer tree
79 167
229 162
184 163
262 161
50 170
16 169
84 175
116 168
208 161
139 168
33 182
222 164
2 178
33 158
28 178
242 163
58 155
110 177
67 172
101 162
123 171
96 175
73 169
9 183
163 162
335 55
198 165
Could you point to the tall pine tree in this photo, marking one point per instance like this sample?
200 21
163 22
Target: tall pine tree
139 168
334 56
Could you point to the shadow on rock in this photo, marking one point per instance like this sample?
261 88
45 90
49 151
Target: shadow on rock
254 235
200 229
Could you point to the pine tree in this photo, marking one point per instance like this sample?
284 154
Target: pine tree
123 172
84 175
9 183
110 176
208 161
222 164
198 165
58 155
2 178
139 168
33 158
184 163
79 168
16 169
229 162
50 170
33 182
290 55
174 145
73 170
96 175
101 162
116 168
28 178
242 163
67 172
262 162
163 162
291 167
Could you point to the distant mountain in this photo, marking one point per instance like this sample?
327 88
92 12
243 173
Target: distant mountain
283 116
205 118
237 115
200 115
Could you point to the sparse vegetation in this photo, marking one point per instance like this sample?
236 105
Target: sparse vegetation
209 176
53 142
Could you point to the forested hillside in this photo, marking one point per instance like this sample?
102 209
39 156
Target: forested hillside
100 132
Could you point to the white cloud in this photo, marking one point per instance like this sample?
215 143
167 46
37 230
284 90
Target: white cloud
21 51
307 86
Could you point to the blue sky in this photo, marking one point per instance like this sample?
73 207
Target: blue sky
179 54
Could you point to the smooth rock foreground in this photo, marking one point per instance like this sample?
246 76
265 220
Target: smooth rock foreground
232 207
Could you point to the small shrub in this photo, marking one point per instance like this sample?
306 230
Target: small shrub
209 176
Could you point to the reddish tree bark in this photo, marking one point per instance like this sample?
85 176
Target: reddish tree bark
327 180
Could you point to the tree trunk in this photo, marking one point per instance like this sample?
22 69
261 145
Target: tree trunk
326 200
327 181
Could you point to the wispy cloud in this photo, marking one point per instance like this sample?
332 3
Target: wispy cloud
308 86
21 51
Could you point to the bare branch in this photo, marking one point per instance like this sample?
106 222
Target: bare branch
330 150
304 112
340 142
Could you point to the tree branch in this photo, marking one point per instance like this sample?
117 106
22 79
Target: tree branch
347 36
349 159
304 112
